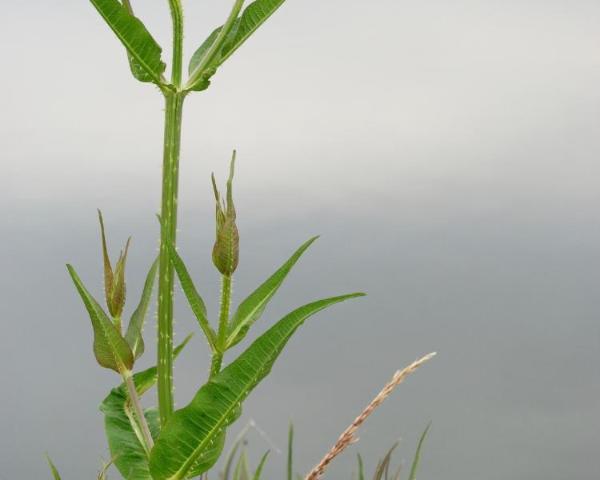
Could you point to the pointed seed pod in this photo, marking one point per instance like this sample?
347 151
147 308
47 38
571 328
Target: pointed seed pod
225 253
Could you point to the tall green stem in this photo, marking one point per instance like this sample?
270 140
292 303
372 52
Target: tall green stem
172 141
173 111
134 399
217 358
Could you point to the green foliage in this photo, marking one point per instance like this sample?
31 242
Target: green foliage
145 53
110 348
122 429
250 310
136 324
226 39
192 432
186 443
417 458
194 299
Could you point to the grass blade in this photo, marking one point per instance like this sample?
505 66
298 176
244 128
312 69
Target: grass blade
417 458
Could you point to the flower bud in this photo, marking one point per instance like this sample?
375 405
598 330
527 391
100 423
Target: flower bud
225 252
114 281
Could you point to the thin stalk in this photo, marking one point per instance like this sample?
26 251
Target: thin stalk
168 217
217 358
139 412
177 21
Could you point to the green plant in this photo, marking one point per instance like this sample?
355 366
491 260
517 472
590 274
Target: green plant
164 443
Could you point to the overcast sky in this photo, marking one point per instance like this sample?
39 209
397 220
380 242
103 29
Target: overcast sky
447 152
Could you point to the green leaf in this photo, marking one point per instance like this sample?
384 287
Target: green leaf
415 463
255 14
194 299
110 348
202 50
53 469
244 26
252 307
136 324
260 467
384 465
124 438
145 52
361 467
191 431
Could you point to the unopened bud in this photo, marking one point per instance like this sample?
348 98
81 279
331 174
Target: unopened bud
226 249
114 281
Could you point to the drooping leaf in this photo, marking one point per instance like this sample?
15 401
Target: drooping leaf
259 469
132 33
188 436
136 324
53 469
110 348
122 431
193 297
252 307
417 458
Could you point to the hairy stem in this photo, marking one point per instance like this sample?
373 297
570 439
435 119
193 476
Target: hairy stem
168 217
217 358
139 412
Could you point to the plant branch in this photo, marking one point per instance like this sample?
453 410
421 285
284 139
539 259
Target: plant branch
177 20
168 224
139 412
348 437
217 358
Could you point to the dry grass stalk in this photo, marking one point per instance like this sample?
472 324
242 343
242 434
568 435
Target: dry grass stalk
348 437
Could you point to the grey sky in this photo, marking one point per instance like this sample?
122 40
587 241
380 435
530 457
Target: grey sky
447 152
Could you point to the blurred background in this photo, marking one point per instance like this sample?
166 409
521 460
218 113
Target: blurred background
447 152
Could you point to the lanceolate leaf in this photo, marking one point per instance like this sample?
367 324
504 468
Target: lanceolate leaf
200 53
110 348
145 52
252 307
415 463
189 434
257 13
124 439
245 25
194 299
136 324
